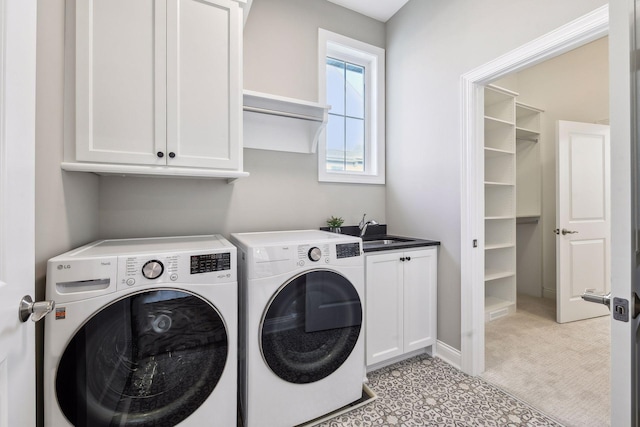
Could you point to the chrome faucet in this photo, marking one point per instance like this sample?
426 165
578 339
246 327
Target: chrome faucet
364 224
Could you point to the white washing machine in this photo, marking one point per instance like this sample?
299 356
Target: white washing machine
301 330
144 334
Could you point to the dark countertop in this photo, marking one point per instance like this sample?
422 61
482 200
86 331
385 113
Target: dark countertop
371 241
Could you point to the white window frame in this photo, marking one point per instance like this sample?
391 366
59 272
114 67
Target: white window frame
373 59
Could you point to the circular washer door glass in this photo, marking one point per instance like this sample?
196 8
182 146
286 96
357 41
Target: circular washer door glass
311 326
150 359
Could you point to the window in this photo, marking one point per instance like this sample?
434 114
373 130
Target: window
351 75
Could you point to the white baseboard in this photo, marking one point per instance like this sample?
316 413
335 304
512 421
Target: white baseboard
449 354
548 293
400 358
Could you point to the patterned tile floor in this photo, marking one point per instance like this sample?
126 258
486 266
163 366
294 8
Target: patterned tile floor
423 391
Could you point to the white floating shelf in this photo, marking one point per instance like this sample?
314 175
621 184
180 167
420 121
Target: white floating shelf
152 171
277 123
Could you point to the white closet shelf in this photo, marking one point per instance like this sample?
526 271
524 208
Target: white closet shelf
497 274
493 217
278 123
499 246
497 150
498 184
495 123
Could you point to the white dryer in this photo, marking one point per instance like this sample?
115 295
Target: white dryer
144 334
301 330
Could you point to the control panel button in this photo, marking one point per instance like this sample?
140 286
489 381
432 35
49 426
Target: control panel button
131 281
173 277
152 269
315 254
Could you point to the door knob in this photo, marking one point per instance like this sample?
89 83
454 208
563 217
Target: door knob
564 231
35 310
590 296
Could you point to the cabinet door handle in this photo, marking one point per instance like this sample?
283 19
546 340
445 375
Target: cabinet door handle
160 154
408 258
172 154
402 259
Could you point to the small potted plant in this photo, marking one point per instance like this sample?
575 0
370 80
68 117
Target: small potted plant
334 224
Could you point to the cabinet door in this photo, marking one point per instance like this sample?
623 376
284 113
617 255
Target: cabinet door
120 81
384 301
420 276
204 83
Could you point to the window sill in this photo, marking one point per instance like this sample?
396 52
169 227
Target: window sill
348 178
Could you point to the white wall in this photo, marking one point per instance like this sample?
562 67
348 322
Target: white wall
575 87
430 44
280 57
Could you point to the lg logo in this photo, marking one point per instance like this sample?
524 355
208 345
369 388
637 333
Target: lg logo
63 266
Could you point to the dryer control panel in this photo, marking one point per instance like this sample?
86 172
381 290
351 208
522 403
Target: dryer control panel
208 263
348 250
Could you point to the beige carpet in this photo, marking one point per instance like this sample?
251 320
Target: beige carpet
562 370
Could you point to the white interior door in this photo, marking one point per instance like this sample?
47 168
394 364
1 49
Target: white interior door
583 218
17 157
625 173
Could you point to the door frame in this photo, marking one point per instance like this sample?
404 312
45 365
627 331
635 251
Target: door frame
579 32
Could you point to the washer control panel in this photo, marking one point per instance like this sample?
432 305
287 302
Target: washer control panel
211 267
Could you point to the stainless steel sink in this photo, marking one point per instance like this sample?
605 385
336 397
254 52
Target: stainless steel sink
382 241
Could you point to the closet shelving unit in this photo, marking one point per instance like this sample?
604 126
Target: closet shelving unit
528 173
500 201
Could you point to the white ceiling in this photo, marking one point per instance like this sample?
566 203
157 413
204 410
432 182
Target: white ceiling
381 10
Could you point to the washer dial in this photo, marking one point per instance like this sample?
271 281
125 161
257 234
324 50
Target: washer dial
152 269
315 254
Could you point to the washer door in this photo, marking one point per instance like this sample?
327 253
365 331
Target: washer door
150 359
311 326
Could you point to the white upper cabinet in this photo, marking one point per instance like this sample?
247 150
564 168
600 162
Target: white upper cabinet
158 87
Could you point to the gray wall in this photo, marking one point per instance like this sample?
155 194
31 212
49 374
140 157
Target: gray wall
430 44
66 203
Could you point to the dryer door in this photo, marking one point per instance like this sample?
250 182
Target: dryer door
311 326
150 359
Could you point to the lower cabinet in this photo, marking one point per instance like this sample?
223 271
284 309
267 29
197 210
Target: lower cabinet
400 315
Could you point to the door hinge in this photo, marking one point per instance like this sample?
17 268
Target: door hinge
475 243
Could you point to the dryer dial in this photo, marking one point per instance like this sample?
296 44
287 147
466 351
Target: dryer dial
152 269
315 254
